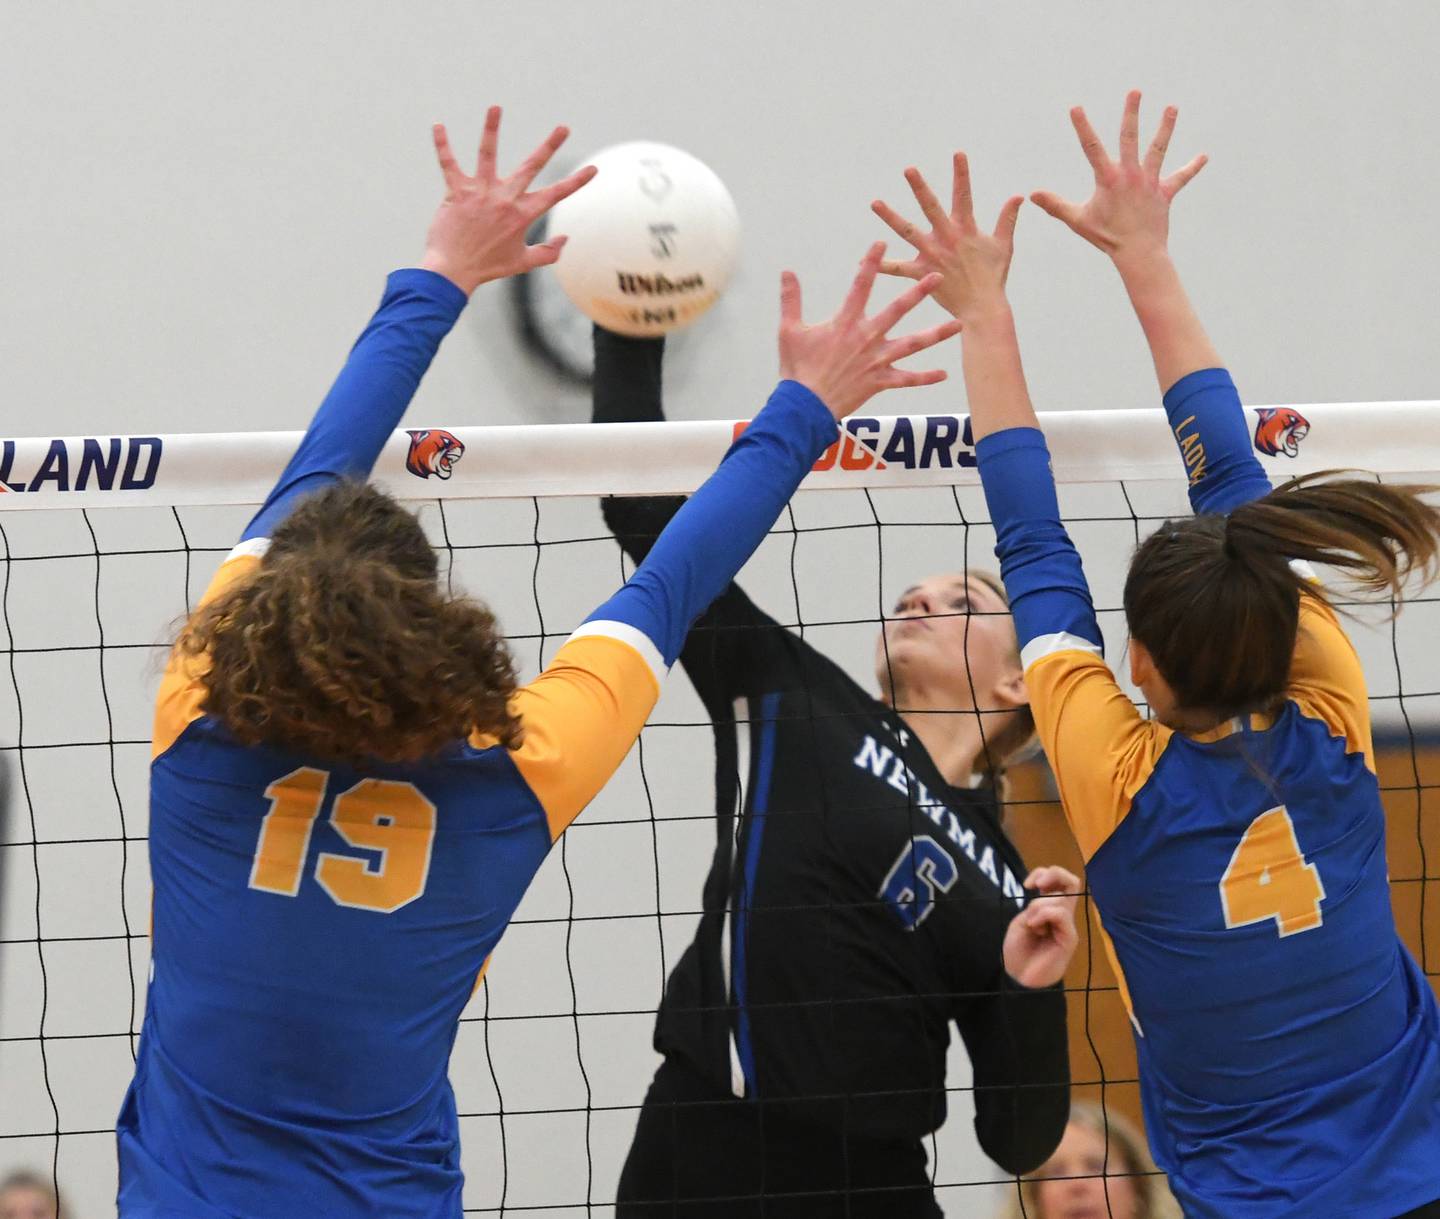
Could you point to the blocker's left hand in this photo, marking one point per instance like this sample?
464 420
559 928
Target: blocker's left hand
1041 939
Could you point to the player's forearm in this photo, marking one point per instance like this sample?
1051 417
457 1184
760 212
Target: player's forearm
1209 424
720 526
372 392
626 388
1022 1088
1039 564
627 384
1178 342
994 375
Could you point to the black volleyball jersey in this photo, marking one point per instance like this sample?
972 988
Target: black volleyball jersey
857 903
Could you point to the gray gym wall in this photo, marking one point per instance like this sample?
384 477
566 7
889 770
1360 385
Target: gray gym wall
198 204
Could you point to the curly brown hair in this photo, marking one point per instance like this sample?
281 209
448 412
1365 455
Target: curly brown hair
342 646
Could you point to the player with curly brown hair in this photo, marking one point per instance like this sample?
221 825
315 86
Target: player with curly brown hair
349 792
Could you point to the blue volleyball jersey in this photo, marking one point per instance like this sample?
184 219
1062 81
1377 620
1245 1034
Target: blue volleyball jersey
1288 1044
318 929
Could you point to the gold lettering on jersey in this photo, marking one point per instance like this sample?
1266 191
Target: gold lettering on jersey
1191 449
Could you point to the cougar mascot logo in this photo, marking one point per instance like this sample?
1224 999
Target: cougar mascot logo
433 451
1280 430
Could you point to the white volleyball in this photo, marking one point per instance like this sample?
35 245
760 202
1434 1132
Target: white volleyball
653 239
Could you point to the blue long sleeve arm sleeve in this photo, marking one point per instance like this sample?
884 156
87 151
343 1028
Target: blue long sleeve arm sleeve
719 527
1038 563
1208 423
371 394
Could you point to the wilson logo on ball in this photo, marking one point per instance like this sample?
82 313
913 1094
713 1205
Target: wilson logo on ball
656 285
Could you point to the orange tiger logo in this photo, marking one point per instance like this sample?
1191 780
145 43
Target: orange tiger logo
1280 430
433 451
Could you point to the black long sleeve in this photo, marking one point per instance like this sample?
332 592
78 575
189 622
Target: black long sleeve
799 984
627 389
1019 1048
728 645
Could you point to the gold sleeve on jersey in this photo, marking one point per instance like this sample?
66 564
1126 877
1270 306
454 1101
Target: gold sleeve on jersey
1326 680
177 705
580 717
1100 749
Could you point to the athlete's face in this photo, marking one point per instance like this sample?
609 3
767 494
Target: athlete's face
22 1202
1072 1183
951 638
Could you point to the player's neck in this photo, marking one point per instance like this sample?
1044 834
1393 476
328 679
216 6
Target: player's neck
952 738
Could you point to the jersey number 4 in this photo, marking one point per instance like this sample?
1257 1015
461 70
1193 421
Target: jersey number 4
1269 878
383 816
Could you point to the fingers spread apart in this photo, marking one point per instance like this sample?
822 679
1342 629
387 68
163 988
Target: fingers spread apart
1130 129
448 165
489 146
1173 185
1155 156
1089 142
789 298
859 295
905 229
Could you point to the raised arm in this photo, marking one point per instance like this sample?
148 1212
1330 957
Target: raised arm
1049 597
734 648
627 389
477 235
829 371
1015 1031
1128 218
1094 738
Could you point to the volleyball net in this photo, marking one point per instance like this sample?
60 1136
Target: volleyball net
108 541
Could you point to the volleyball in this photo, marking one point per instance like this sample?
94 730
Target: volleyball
653 239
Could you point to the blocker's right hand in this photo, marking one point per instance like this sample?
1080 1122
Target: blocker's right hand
1128 214
478 233
848 360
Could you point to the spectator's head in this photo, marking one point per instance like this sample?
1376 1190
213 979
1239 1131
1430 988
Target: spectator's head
1086 1179
27 1195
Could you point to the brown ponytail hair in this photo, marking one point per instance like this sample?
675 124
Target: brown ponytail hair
341 646
1216 601
1015 738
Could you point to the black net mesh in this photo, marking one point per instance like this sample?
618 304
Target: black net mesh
553 1056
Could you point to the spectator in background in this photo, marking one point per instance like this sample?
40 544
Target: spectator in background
28 1195
1092 1177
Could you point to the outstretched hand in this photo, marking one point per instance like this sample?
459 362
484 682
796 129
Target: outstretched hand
1041 939
1129 213
972 265
848 360
478 233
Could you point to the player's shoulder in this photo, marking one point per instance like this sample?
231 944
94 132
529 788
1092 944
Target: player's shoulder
805 665
610 649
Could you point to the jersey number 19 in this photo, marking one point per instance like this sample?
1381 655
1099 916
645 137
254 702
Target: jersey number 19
381 815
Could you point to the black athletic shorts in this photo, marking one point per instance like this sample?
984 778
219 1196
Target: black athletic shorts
701 1155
